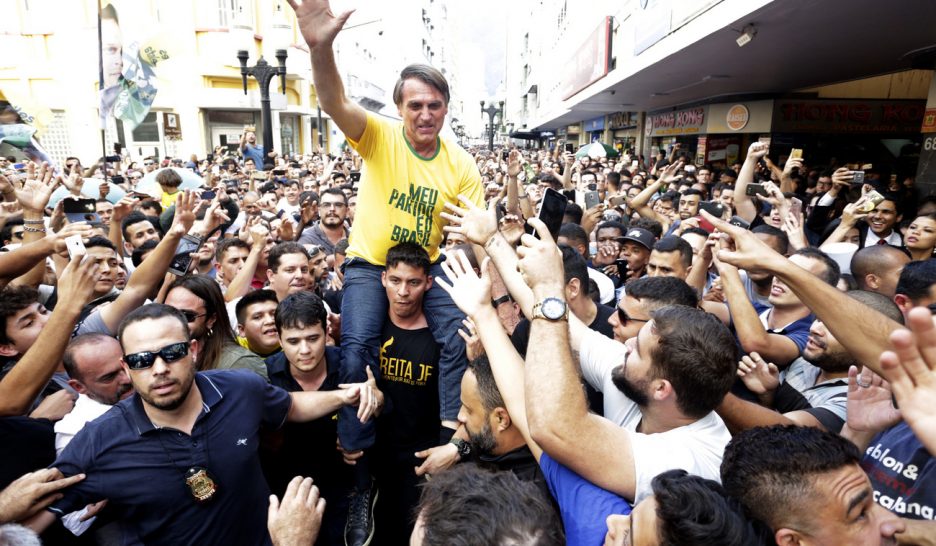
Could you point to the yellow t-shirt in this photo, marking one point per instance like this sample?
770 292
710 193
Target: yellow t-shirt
402 195
168 199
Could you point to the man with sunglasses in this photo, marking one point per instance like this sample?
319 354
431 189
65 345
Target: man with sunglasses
178 460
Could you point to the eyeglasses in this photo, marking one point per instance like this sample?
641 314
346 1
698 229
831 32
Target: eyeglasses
624 318
191 316
146 359
313 250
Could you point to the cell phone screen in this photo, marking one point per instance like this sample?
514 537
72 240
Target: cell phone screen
183 254
80 210
551 212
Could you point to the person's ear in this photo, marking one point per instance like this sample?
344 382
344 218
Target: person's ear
872 281
7 349
662 389
501 419
78 386
572 289
270 274
903 302
788 537
428 282
240 330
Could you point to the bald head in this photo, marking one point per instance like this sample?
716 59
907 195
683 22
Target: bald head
877 268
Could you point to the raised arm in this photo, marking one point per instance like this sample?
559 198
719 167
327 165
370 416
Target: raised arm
238 286
744 206
23 383
557 411
864 332
319 27
472 294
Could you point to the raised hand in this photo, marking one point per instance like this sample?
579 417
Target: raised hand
513 163
911 370
757 150
184 218
122 209
540 261
469 291
758 376
366 396
317 23
748 252
296 520
35 193
32 492
73 182
475 223
76 283
473 346
869 408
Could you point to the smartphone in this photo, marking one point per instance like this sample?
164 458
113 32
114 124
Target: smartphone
873 199
75 246
591 199
355 176
279 172
112 159
796 153
117 179
617 200
80 210
796 207
755 189
713 208
858 178
551 212
208 194
259 175
622 268
504 155
183 254
634 164
740 222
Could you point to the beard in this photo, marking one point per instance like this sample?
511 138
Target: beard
635 390
482 443
169 404
833 362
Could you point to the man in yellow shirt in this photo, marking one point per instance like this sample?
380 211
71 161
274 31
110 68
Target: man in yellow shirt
409 174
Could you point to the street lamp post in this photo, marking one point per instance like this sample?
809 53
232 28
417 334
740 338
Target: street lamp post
492 111
264 73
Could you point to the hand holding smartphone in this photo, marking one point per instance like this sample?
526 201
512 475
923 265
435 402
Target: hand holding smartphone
75 246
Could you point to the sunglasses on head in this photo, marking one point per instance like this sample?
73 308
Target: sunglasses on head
624 318
146 359
314 250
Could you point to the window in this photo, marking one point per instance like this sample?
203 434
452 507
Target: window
147 130
236 12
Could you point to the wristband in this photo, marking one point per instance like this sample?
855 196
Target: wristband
33 230
523 196
36 222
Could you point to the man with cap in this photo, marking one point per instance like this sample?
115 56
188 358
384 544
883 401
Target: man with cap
636 245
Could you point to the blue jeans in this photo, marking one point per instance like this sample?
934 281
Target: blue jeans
364 309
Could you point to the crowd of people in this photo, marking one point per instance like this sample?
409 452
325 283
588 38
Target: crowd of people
399 344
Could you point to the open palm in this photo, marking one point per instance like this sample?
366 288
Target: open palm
318 24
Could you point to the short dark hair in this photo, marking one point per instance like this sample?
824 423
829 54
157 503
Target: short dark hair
512 511
574 267
225 244
669 197
301 310
335 191
776 233
68 357
250 298
573 212
14 299
487 388
696 231
151 311
694 511
612 224
135 217
916 279
100 241
649 224
573 233
656 292
675 243
697 354
613 179
151 204
832 270
772 469
879 302
691 191
282 249
410 254
136 257
425 74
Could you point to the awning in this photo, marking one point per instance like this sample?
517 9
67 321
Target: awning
528 135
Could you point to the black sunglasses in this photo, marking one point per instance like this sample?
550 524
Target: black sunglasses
932 308
146 359
191 316
625 318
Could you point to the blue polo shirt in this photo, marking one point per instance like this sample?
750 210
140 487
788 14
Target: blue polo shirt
141 468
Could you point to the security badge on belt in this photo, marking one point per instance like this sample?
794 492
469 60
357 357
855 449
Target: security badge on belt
200 483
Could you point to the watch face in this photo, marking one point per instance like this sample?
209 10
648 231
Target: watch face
553 308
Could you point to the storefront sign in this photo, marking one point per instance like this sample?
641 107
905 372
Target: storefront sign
591 62
680 122
848 116
740 117
573 129
737 117
621 120
596 124
929 121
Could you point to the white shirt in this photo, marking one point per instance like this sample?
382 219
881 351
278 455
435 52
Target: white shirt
872 239
605 286
85 411
697 448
